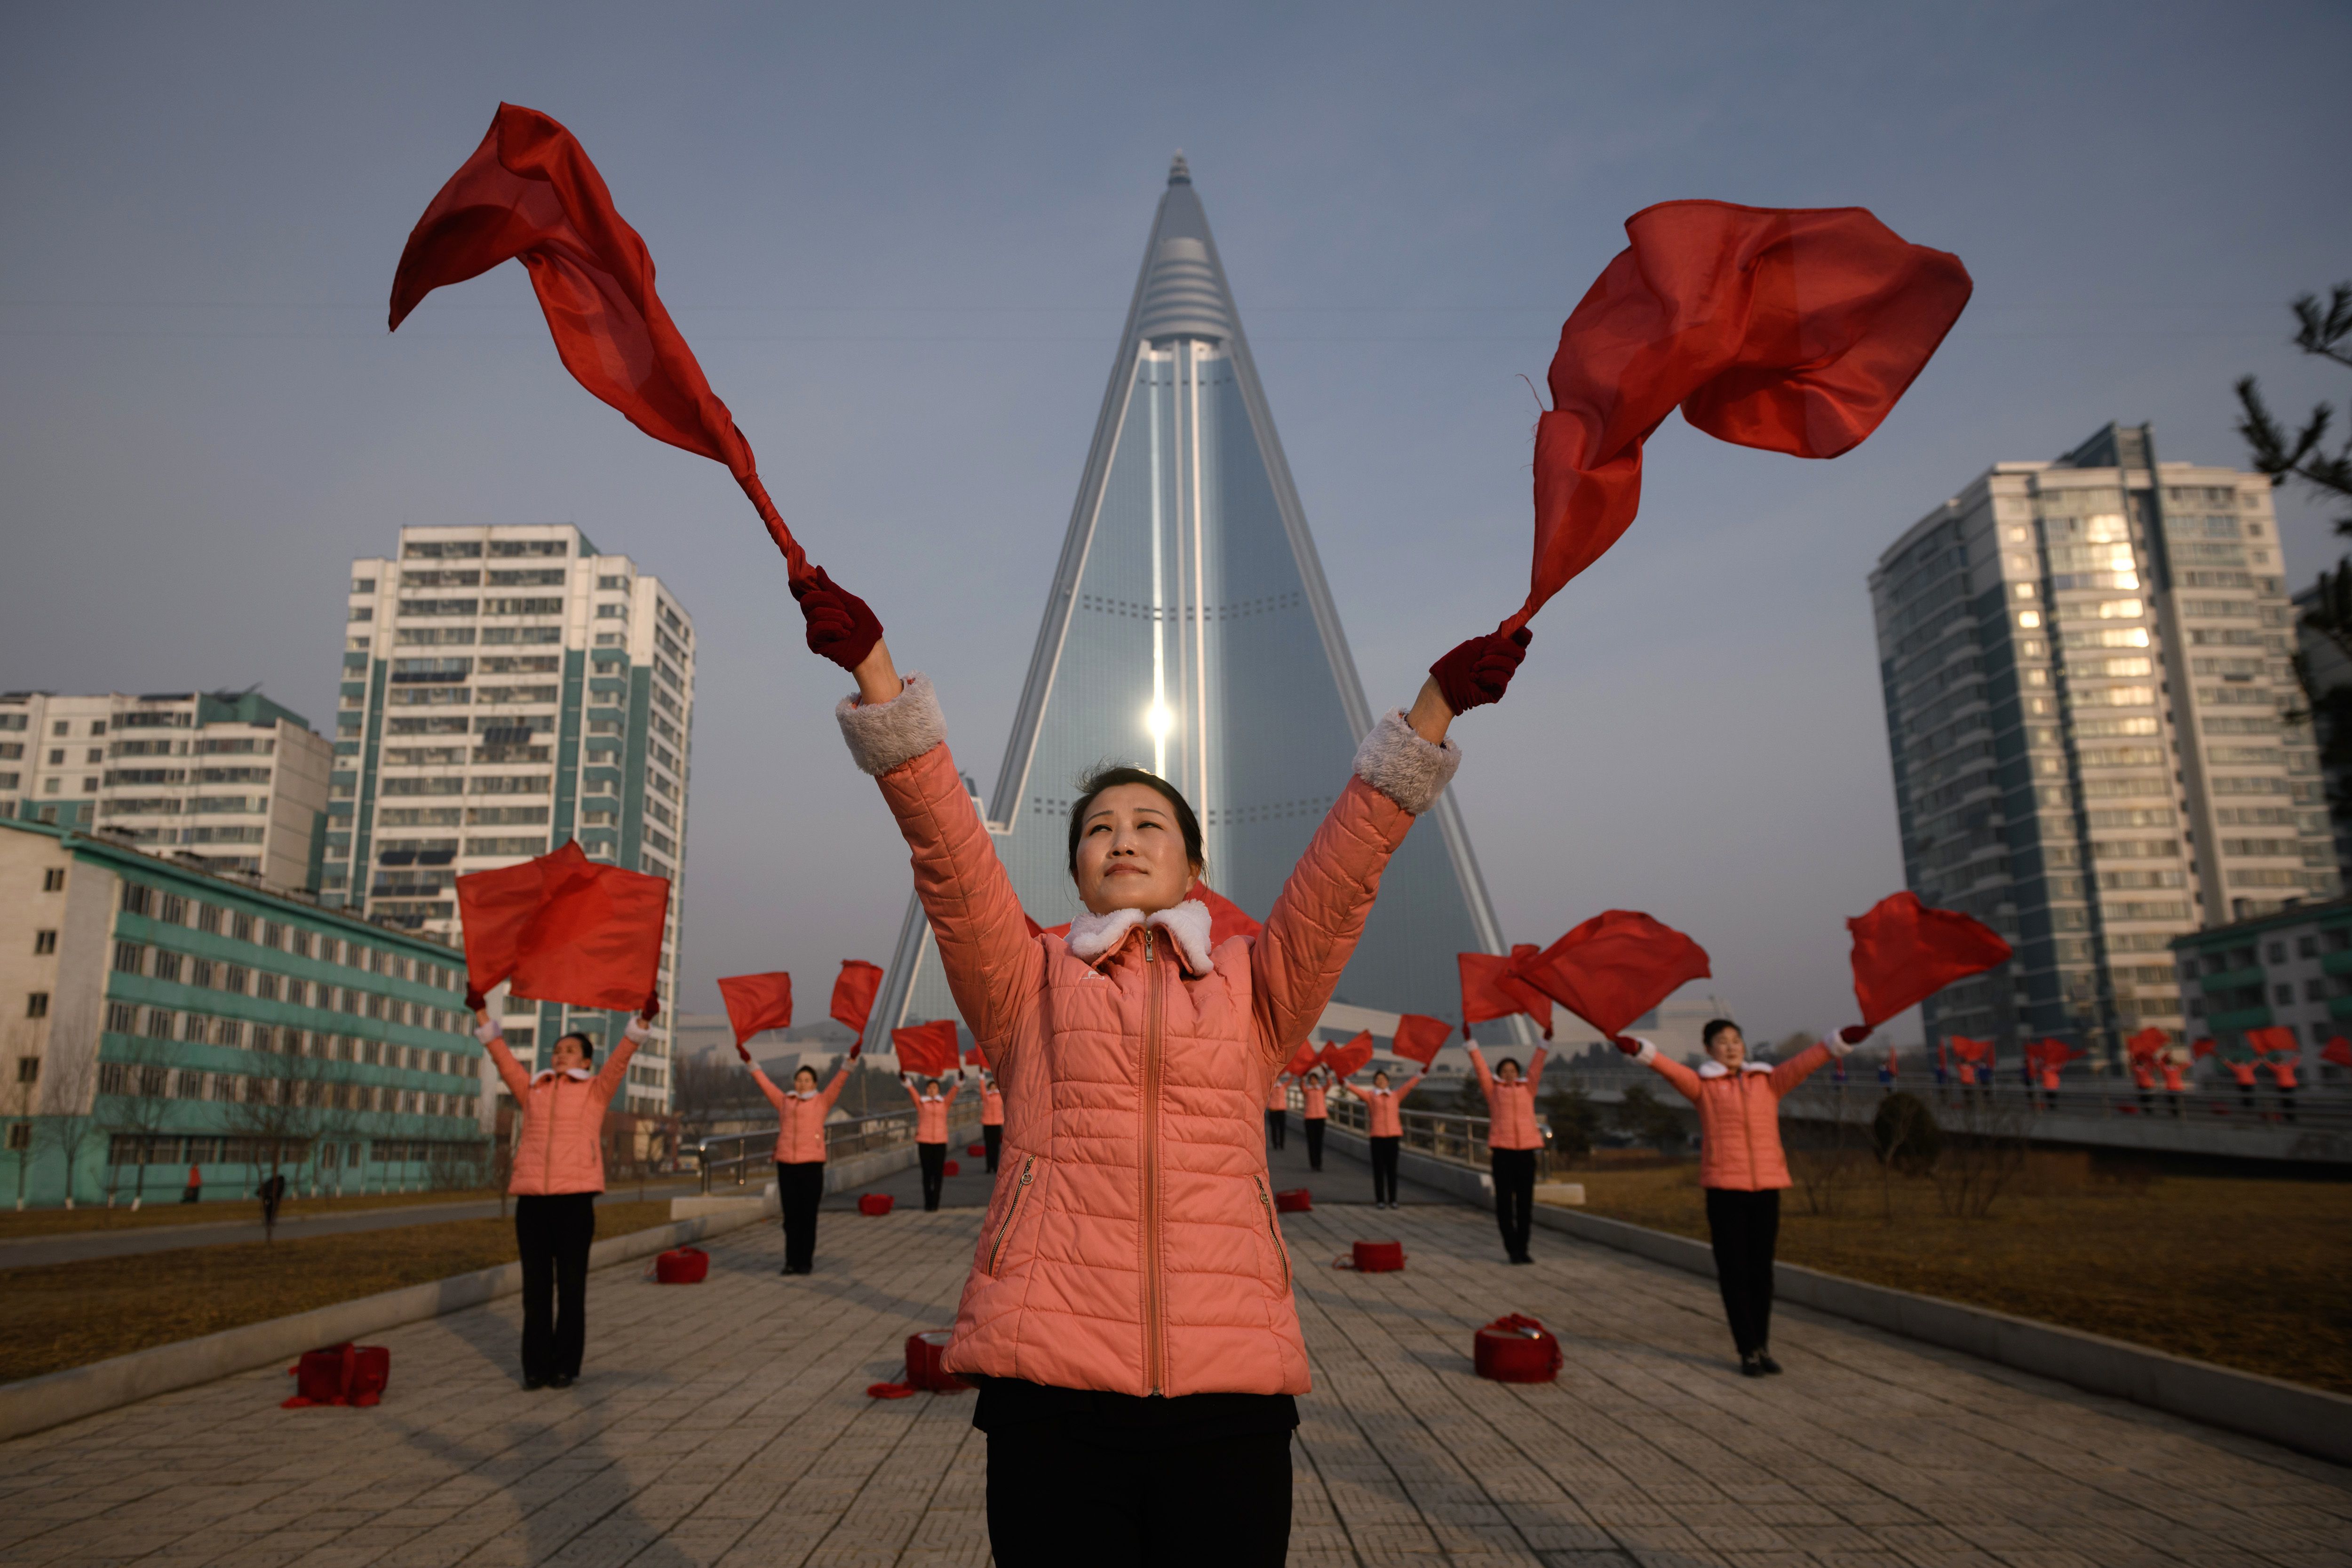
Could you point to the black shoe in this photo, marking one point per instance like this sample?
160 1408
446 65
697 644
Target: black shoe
1764 1359
533 1384
1521 1258
1751 1366
561 1379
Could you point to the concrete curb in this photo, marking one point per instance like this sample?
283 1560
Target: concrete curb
38 1403
2308 1420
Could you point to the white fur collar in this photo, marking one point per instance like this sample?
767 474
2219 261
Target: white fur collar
1092 935
577 1075
1713 1068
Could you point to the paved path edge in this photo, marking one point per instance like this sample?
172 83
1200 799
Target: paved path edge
2308 1420
38 1403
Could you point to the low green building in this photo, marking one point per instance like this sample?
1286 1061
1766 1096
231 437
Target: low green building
2290 970
158 1019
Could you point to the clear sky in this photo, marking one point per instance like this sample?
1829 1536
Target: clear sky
902 239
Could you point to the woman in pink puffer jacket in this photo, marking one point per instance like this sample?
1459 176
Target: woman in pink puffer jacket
800 1151
1129 1315
1740 1164
1513 1140
1383 1131
559 1169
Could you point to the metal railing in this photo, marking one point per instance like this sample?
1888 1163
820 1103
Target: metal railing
733 1155
1441 1135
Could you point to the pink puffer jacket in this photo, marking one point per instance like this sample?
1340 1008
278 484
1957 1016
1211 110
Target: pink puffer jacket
800 1122
1318 1109
1131 1245
561 1149
1278 1097
1385 1107
1511 1107
1739 1115
992 1107
931 1113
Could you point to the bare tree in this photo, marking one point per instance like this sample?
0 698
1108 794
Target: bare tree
142 1109
70 1094
700 1084
20 1100
278 1106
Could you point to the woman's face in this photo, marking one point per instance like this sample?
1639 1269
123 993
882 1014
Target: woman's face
1131 852
1379 1080
805 1079
567 1055
931 1086
1728 1047
1508 1072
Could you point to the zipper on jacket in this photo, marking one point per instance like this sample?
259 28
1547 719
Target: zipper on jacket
1275 1229
1012 1213
1155 1370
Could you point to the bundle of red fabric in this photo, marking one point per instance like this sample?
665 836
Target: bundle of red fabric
1492 987
1904 952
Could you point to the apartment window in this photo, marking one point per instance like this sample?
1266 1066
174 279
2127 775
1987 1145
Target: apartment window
2314 990
167 964
208 919
2307 947
61 728
2282 996
37 1004
45 941
121 1018
129 957
243 927
98 726
53 880
2278 952
137 899
28 1070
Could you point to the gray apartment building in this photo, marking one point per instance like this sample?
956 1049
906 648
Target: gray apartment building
2097 735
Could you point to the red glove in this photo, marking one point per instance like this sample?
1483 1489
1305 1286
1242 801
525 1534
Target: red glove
474 1000
1854 1034
856 1046
652 1009
741 1052
1627 1044
840 625
1479 671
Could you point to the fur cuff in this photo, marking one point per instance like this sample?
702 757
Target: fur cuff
1402 766
1835 1040
885 735
1647 1054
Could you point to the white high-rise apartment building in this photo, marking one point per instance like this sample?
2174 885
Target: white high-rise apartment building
227 781
2098 733
506 688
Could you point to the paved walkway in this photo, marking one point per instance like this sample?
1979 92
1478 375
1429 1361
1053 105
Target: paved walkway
727 1425
73 1246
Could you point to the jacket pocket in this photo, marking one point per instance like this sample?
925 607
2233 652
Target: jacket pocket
1274 1231
1013 1213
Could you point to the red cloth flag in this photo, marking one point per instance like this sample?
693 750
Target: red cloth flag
1226 918
1350 1059
565 929
1302 1060
1794 331
2149 1043
1491 988
756 1003
973 1057
2275 1038
1904 952
927 1049
2203 1047
2337 1050
2049 1054
1615 967
1419 1037
854 990
530 192
1969 1050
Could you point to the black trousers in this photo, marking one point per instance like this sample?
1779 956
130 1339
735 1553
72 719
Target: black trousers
1055 1497
1515 1196
1385 1167
994 1137
934 1157
800 1187
1278 1125
1314 1142
1745 1227
2287 1103
554 1233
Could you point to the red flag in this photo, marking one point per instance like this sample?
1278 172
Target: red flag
973 1057
1420 1037
854 990
1615 967
2049 1055
1302 1060
757 1003
927 1049
1226 918
1904 952
2203 1047
1792 331
565 929
1491 988
2275 1038
2337 1050
1344 1060
530 192
2148 1045
1969 1050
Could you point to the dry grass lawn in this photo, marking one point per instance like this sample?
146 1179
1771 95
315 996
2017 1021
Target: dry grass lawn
2247 1273
70 1314
165 1208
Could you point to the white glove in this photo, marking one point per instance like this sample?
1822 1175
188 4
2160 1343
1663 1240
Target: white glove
638 1032
1647 1054
487 1030
1835 1040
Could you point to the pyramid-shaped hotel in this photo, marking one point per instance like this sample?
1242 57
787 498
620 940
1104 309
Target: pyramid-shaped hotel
1188 630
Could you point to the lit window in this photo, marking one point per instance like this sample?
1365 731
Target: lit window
2120 609
2025 590
2029 618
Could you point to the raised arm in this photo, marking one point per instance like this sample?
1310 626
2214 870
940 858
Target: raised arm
954 1089
511 1071
907 1083
1485 1077
615 1070
1685 1081
1409 1084
768 1086
1787 1075
831 1093
1350 1085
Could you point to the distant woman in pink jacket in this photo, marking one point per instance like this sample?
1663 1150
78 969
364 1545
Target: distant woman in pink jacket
992 1119
1741 1165
1513 1140
801 1111
1129 1315
1384 1114
932 1131
559 1169
1313 1091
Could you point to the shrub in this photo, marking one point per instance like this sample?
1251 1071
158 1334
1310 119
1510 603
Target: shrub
1905 1135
